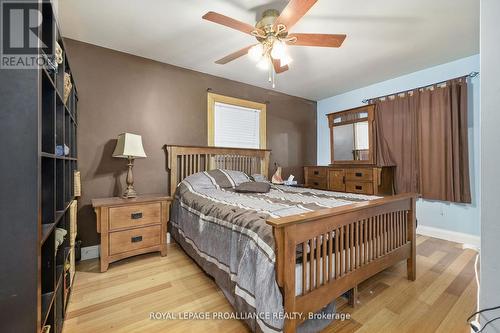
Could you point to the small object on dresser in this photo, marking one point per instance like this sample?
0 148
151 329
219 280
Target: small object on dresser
67 86
290 181
277 175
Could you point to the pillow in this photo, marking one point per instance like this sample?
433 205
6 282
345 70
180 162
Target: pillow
217 178
258 177
253 187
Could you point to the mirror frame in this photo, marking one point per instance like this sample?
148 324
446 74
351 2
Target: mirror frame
348 117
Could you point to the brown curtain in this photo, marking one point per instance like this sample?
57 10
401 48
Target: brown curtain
443 142
423 133
396 140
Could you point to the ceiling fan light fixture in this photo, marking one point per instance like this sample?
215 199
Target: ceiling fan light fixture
279 50
255 52
263 64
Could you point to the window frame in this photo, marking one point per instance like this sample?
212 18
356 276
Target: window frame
216 98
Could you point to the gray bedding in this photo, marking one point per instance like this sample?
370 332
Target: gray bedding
226 233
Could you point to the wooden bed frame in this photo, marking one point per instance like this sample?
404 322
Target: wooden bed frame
372 235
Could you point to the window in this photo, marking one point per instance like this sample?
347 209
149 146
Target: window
234 122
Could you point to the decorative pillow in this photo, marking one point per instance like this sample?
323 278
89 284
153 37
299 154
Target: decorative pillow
253 187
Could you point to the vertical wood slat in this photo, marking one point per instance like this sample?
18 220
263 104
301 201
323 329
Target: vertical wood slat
325 272
380 235
394 234
304 267
348 248
399 230
318 261
362 245
342 252
377 238
337 257
311 263
390 231
370 252
396 229
358 247
365 241
330 255
384 232
406 227
403 219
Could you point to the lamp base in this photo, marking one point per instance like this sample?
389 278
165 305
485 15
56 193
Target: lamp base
129 193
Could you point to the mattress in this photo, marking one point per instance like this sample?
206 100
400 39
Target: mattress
226 233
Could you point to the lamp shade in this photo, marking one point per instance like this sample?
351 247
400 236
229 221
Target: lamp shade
129 145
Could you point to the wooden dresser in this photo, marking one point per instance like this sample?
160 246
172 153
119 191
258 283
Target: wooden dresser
130 227
362 179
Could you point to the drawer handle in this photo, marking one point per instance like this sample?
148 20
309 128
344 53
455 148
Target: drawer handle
136 239
316 183
136 216
316 172
359 174
359 187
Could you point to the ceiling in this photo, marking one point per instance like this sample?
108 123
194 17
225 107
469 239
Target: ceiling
385 38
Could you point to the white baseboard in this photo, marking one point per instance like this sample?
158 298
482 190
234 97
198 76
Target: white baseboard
468 241
92 252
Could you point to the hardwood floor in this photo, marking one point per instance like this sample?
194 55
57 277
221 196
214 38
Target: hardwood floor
122 299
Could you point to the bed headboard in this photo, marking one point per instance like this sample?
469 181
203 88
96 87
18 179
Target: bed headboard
183 161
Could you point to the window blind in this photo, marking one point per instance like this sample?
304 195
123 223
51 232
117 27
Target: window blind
236 126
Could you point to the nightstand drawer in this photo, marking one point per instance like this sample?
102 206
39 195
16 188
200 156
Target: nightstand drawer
134 239
134 215
359 187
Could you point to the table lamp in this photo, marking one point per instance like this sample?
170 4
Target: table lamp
129 146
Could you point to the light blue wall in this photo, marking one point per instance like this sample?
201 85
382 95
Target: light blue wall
455 217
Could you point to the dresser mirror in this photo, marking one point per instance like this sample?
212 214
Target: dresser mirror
351 136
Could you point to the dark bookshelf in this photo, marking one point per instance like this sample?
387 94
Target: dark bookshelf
38 123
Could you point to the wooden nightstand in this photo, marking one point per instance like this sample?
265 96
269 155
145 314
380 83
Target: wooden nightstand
129 227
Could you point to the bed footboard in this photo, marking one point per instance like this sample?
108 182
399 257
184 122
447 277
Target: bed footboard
339 248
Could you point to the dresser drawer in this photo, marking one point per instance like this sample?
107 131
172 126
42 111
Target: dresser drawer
134 239
362 174
359 187
317 183
134 215
315 172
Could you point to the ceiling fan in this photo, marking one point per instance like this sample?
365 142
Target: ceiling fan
272 34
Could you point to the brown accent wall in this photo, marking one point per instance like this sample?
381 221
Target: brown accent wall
165 104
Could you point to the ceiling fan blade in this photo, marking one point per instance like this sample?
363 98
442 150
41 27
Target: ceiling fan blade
277 67
293 12
229 22
322 40
234 55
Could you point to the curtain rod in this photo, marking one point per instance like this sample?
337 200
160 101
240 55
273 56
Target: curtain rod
471 74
